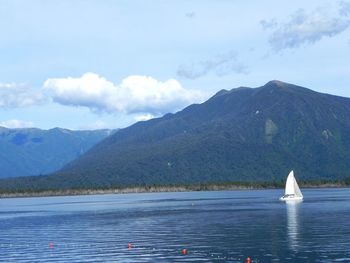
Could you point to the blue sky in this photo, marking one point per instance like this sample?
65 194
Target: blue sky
107 64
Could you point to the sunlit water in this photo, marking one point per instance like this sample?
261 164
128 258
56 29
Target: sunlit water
213 227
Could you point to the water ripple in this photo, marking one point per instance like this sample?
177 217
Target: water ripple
212 226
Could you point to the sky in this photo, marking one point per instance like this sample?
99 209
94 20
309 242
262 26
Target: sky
93 64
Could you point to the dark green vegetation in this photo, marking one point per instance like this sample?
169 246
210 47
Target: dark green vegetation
243 135
26 152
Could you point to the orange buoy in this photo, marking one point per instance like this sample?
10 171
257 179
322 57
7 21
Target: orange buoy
51 245
248 260
129 246
184 251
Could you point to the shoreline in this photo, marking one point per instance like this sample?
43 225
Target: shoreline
159 189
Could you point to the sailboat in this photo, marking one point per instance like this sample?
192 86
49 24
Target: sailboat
292 191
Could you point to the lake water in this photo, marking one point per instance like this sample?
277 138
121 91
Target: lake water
222 226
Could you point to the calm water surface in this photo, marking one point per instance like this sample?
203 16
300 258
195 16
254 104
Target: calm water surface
213 227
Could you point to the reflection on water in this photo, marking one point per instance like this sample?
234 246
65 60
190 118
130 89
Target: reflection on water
293 224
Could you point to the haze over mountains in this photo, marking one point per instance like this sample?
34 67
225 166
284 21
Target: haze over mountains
33 151
245 134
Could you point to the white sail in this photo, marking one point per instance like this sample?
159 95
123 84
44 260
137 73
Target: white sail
290 184
297 189
292 190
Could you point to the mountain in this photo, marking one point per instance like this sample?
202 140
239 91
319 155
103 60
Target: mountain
244 134
25 152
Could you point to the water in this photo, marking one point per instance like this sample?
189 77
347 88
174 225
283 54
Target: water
213 227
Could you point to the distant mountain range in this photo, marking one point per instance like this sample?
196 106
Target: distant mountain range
25 152
245 134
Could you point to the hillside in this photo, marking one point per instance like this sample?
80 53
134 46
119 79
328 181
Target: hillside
25 152
245 134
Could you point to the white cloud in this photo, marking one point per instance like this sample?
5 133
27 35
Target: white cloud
135 94
144 117
344 8
308 27
18 95
222 64
15 124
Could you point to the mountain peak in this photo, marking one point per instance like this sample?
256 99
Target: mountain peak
277 83
245 134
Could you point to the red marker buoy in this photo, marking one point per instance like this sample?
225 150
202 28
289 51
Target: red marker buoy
248 260
51 245
184 251
129 246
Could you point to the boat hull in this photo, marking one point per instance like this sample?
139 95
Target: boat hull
295 198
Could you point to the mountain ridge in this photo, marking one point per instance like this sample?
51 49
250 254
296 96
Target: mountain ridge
34 151
245 134
231 108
